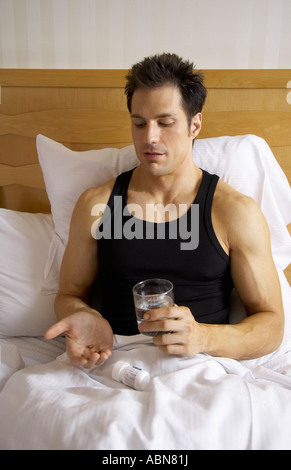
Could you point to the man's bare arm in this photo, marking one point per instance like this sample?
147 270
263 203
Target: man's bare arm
89 336
257 284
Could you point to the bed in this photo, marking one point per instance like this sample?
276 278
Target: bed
62 131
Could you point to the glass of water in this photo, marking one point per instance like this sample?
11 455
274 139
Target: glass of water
150 294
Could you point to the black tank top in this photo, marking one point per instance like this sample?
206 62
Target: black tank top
131 250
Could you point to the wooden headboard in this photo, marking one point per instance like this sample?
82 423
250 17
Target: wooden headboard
86 109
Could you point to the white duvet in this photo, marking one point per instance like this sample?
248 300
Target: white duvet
190 403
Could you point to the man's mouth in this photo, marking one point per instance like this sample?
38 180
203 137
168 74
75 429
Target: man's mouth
153 155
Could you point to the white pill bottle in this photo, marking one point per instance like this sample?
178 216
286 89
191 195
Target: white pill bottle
130 375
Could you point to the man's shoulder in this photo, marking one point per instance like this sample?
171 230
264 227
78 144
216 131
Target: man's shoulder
238 213
98 194
91 199
230 200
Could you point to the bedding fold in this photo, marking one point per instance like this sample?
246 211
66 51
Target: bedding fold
190 403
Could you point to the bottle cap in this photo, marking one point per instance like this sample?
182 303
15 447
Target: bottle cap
118 368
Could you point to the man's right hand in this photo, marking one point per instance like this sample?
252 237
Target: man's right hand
89 338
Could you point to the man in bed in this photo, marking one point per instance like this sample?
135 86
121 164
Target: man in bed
232 247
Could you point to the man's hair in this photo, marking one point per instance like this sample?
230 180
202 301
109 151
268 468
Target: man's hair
168 69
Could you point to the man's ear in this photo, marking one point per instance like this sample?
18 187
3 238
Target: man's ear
196 125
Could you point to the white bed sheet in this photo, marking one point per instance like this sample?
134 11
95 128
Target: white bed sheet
19 352
191 403
36 350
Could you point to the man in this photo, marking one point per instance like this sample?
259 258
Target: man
165 100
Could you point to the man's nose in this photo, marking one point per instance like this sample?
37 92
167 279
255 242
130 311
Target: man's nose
152 133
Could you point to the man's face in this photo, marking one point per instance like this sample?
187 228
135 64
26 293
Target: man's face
160 130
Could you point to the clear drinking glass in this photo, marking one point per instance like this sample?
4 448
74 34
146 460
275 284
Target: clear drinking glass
150 294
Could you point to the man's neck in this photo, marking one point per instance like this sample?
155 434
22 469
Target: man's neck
179 187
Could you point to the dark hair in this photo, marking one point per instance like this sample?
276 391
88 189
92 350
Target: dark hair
159 70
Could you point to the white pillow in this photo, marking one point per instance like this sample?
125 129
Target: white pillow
24 244
67 174
245 162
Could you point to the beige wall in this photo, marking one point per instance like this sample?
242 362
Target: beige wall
117 33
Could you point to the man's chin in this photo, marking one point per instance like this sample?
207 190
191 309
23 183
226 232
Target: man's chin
155 168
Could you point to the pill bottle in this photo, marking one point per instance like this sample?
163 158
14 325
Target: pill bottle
130 375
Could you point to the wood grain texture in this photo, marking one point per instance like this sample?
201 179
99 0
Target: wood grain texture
72 125
62 78
27 175
217 78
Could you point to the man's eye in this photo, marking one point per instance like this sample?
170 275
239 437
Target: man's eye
139 125
166 124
